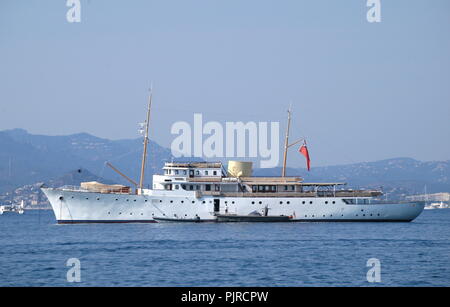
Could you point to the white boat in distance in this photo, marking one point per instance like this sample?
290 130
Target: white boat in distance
206 192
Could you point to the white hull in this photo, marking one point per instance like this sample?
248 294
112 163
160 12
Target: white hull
90 207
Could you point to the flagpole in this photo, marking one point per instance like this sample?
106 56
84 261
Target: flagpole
286 142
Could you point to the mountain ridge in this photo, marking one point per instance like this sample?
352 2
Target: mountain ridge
29 158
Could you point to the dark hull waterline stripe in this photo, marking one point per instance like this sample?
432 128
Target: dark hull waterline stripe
298 220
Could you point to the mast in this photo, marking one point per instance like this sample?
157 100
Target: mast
144 153
286 143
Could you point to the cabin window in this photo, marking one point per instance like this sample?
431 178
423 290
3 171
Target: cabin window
215 173
217 187
184 172
183 186
254 188
197 172
292 188
285 187
260 188
206 173
191 187
208 187
176 172
177 187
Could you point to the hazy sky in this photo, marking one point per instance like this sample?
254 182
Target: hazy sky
360 91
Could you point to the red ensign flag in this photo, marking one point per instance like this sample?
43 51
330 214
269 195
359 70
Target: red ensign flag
304 151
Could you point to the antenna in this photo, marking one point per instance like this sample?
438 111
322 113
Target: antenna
144 153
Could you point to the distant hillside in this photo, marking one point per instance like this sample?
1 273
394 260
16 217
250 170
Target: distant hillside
32 194
26 158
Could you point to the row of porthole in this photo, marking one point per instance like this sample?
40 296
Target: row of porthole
131 213
331 215
303 202
260 202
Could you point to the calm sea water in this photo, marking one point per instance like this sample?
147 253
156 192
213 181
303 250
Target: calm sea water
34 251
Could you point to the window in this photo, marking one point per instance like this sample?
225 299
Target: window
206 173
184 172
208 187
215 173
197 172
176 172
177 187
217 187
285 187
191 187
254 188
